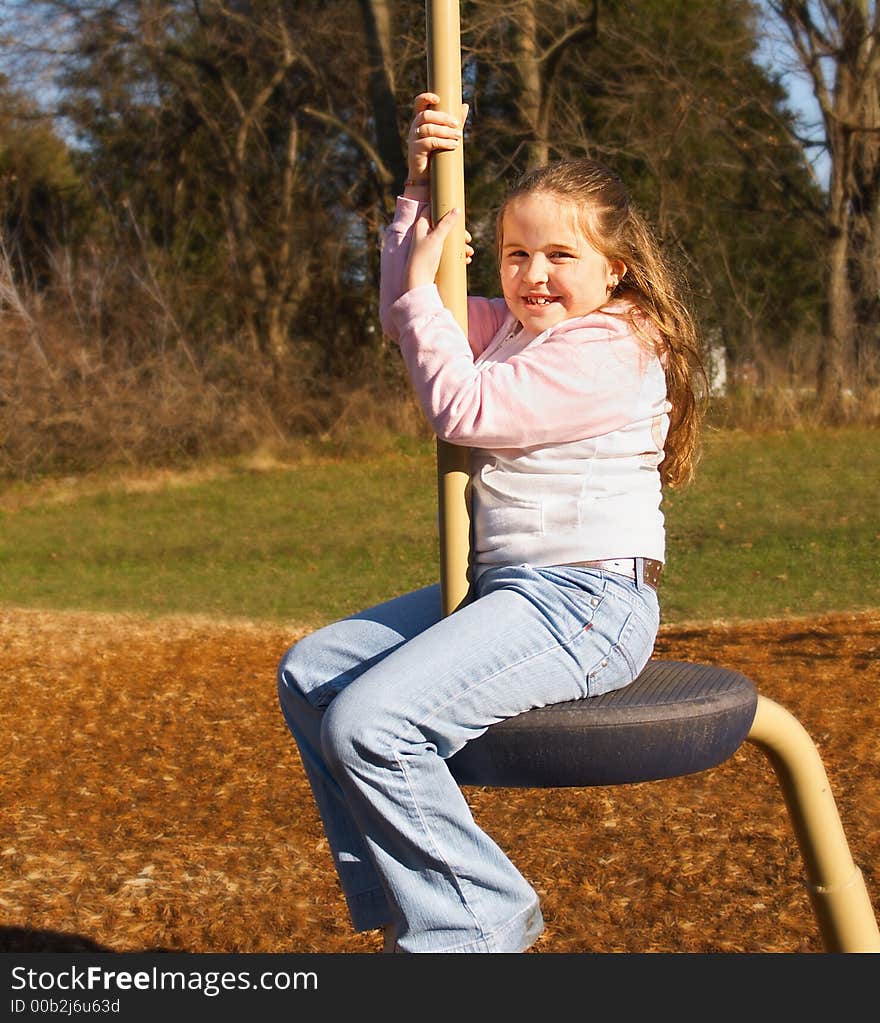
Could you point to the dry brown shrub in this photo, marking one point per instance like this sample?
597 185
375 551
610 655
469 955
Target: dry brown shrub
70 405
98 371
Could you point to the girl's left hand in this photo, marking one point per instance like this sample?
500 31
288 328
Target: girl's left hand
431 129
427 248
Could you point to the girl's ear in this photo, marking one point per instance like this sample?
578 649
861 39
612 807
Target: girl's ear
616 271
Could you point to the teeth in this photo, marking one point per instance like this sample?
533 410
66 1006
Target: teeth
539 301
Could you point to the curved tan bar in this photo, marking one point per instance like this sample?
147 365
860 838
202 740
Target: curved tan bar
835 884
447 192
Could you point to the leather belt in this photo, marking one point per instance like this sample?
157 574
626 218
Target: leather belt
651 569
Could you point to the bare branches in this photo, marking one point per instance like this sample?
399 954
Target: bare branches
838 47
11 300
258 149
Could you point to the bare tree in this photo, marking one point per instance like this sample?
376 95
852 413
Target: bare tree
538 59
837 44
232 108
391 165
259 148
522 47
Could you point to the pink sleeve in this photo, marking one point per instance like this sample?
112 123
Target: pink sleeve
485 315
585 380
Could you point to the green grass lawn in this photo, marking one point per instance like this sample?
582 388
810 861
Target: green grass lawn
776 525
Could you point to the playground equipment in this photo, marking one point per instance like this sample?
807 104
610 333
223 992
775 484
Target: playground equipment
677 718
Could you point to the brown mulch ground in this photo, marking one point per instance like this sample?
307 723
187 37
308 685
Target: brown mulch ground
153 800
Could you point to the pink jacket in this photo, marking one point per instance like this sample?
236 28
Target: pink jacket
567 429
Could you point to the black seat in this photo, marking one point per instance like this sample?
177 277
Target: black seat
676 718
679 718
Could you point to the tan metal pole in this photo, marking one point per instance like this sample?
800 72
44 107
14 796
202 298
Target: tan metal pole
447 192
836 886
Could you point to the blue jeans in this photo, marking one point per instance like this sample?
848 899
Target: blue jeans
378 701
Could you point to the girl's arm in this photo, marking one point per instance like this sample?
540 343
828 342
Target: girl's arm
431 130
590 376
485 316
587 379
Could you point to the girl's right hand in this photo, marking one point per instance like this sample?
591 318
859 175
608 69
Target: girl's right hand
426 249
430 130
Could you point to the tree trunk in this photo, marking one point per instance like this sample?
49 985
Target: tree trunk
866 234
832 364
377 25
528 62
845 33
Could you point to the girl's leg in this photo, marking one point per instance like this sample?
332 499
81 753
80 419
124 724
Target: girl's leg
311 673
532 637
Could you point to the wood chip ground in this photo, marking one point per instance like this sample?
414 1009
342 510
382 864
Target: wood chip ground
153 800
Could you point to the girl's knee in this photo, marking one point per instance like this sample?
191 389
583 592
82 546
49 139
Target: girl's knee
288 673
306 666
340 737
291 697
353 735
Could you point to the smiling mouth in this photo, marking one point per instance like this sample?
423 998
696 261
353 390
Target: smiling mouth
539 300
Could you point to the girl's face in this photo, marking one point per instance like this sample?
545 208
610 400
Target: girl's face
549 271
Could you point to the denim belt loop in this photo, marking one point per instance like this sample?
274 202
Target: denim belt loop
640 572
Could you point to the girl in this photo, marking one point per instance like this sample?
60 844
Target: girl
575 392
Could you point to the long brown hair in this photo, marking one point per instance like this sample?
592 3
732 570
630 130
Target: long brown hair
652 289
